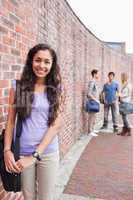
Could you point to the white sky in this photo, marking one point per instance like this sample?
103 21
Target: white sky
109 20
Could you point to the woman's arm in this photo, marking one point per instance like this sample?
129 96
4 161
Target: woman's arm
125 93
10 122
52 131
26 161
8 136
90 91
49 136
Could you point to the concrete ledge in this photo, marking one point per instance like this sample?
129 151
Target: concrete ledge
68 163
75 197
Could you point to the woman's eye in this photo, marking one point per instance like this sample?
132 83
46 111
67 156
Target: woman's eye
37 61
47 62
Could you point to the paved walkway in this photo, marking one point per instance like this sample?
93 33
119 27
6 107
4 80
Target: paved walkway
98 168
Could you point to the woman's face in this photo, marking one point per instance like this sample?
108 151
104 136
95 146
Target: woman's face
42 63
124 78
97 75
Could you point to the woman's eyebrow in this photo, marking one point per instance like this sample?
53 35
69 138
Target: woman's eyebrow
47 59
38 58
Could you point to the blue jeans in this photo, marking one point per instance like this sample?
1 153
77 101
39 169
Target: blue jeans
125 121
113 107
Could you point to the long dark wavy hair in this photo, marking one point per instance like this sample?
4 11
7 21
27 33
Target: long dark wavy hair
25 91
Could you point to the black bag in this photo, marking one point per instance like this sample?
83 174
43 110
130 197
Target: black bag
101 98
11 181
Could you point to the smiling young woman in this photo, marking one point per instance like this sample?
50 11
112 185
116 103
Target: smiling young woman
37 101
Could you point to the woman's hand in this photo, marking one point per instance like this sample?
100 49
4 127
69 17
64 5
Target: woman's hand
97 101
120 99
25 161
10 162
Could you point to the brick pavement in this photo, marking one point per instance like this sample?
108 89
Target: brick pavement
105 169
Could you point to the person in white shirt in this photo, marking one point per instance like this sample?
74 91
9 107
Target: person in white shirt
93 93
125 96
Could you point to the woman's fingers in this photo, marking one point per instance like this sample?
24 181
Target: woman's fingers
16 168
8 170
20 166
13 167
10 163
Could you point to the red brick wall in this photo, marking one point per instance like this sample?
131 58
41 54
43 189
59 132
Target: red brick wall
25 23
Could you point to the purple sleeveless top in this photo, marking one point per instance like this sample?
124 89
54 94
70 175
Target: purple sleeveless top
35 126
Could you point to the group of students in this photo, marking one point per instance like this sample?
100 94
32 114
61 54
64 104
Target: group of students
110 95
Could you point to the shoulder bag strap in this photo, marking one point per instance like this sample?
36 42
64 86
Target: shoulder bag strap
16 145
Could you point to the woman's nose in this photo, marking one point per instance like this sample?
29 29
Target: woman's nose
42 65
